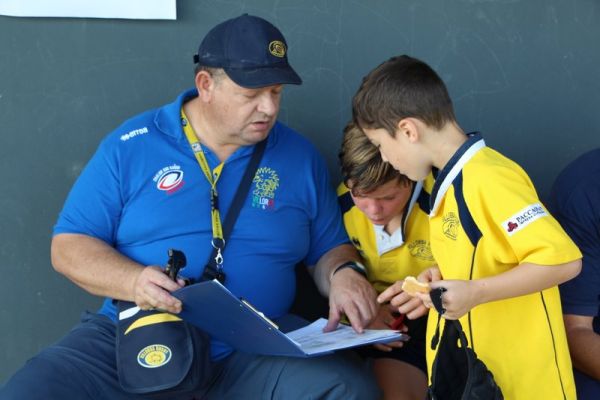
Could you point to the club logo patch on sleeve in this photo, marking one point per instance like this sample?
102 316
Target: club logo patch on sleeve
523 218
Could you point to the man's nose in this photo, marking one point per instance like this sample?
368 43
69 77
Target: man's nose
269 104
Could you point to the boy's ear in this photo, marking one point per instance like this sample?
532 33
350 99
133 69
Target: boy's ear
409 128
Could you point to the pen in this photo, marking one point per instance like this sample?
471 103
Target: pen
397 322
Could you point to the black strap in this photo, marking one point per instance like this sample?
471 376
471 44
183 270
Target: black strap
211 271
436 299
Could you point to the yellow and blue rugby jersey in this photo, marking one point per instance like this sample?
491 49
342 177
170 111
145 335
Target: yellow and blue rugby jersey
485 219
410 258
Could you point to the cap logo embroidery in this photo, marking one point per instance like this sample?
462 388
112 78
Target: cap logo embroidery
277 48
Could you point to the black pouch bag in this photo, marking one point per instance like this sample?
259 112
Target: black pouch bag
159 352
457 373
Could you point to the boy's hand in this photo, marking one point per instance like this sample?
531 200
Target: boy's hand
458 299
413 307
384 319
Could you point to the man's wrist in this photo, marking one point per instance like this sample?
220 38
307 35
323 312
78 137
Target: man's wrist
353 265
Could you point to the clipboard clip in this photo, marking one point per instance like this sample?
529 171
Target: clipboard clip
262 315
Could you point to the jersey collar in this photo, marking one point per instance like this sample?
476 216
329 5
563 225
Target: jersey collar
446 176
386 242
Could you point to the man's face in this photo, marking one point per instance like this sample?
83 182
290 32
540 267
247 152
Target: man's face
384 203
400 152
243 116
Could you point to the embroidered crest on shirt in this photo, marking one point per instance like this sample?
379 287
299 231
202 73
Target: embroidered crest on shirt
266 183
169 179
523 218
421 249
450 225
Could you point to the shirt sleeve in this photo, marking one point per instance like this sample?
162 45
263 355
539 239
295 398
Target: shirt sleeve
94 203
520 223
327 228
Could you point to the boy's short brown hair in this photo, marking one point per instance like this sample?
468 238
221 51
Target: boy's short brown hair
399 88
363 170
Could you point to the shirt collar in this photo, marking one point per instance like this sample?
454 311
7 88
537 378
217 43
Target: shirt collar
446 175
386 242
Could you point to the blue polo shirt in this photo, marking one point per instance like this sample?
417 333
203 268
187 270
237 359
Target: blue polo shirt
575 202
143 193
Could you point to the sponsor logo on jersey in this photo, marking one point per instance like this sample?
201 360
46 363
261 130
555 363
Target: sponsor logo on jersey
523 218
450 225
134 133
154 356
421 249
277 48
169 179
265 183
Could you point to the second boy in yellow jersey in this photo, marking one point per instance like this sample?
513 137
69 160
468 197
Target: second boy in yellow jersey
386 217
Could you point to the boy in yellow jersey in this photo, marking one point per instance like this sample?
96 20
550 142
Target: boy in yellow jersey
500 253
386 217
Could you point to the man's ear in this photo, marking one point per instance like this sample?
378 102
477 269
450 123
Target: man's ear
409 129
205 85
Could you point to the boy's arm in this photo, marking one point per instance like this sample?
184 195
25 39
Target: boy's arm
584 344
461 296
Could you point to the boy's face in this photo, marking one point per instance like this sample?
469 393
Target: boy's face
385 202
400 152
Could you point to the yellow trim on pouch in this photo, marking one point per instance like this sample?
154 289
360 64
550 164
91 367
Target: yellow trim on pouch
152 319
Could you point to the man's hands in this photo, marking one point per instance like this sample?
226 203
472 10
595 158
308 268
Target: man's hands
351 294
103 271
152 290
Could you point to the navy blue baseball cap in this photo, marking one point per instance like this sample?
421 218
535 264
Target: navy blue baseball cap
251 50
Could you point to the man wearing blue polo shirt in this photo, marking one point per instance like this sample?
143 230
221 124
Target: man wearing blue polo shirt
162 180
575 202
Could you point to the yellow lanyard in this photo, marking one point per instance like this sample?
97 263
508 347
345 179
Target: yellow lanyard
212 176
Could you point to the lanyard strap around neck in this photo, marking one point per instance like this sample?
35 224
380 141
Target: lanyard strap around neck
212 176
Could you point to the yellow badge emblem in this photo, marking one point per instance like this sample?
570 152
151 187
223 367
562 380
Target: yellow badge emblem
154 356
277 48
450 226
421 249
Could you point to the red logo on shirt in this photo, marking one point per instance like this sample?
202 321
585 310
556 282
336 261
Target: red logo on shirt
512 226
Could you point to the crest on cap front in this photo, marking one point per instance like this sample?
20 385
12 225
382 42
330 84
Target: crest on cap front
277 48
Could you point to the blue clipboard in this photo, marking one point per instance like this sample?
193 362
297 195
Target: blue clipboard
213 308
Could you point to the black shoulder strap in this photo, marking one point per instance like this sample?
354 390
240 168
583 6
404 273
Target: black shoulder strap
211 271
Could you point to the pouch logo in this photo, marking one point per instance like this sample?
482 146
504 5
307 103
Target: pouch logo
154 356
421 249
450 225
277 48
523 218
169 179
266 183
